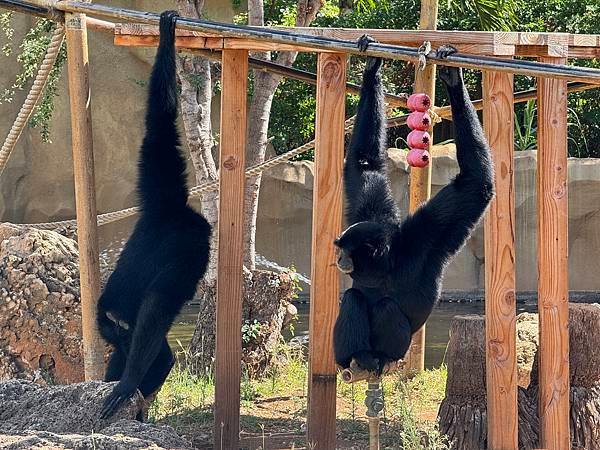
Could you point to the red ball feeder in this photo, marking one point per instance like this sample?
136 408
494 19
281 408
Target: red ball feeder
418 139
419 121
417 157
418 102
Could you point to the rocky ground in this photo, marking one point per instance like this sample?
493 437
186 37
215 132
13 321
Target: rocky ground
67 417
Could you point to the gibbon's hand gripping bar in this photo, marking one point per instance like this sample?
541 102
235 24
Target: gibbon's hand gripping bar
519 67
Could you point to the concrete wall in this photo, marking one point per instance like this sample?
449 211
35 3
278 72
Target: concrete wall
286 203
37 183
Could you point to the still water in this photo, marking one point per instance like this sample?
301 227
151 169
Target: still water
436 337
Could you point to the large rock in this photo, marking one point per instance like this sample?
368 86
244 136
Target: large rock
34 416
40 314
73 408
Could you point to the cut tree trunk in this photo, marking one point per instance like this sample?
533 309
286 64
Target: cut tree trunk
584 370
463 413
266 308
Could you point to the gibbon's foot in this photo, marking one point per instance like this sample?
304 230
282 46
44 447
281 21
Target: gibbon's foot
373 64
168 20
452 76
366 361
119 395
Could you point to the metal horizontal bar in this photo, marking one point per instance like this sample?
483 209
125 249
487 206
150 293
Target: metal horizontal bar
519 67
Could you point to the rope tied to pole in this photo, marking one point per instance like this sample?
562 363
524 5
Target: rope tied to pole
422 53
35 93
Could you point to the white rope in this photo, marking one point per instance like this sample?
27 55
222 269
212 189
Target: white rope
34 95
194 192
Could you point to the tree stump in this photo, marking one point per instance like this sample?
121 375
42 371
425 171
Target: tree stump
463 413
584 371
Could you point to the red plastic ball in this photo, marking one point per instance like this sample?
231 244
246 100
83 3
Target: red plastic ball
418 102
419 121
417 157
418 139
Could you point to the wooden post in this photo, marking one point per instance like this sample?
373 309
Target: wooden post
553 288
500 305
85 192
326 225
420 179
232 160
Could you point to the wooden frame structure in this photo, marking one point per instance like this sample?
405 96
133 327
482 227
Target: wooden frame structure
235 43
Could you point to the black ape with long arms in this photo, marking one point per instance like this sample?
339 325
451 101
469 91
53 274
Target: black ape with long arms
167 253
397 266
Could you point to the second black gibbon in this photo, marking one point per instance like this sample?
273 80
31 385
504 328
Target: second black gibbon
167 253
397 266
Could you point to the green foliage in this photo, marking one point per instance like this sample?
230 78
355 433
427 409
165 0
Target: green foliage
292 117
493 15
250 331
5 26
525 127
32 51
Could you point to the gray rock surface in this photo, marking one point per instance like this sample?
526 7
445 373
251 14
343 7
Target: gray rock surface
67 417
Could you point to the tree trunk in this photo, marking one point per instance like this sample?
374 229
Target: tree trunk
265 85
584 370
463 412
194 73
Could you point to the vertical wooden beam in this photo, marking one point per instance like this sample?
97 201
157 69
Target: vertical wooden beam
232 161
500 304
85 191
553 287
326 225
420 179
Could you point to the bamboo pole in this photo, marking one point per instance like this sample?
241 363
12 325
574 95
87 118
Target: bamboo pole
232 160
326 225
553 286
265 34
499 235
85 194
420 178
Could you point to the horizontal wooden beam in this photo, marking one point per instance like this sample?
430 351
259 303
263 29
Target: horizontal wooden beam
472 42
297 39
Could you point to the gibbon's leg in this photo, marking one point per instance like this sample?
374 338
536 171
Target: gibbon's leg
351 334
116 365
152 325
390 331
158 371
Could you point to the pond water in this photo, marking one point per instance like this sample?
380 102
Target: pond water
436 337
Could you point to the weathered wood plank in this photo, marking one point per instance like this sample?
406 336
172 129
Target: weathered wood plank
327 223
499 235
232 161
420 178
85 191
553 289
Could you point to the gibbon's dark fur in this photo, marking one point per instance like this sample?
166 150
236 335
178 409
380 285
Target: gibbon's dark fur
166 255
397 266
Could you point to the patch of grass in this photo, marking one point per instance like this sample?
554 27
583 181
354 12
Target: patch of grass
275 406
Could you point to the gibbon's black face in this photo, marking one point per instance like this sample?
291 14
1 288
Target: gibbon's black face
362 252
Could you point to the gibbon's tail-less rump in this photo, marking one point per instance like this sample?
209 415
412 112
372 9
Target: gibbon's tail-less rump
167 253
396 266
